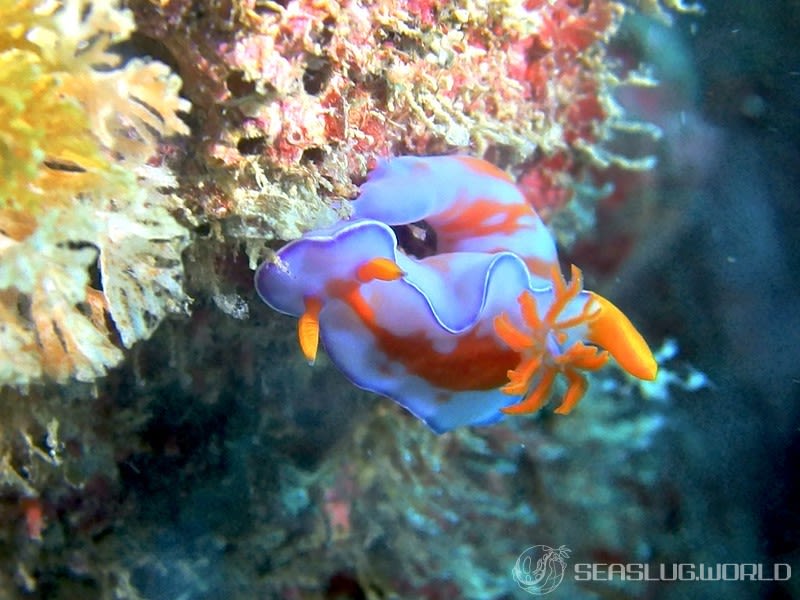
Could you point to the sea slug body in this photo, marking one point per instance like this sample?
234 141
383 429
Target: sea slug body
479 329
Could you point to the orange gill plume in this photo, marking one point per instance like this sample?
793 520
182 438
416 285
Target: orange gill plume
539 364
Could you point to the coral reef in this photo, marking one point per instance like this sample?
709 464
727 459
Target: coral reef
243 479
76 132
292 105
212 462
294 101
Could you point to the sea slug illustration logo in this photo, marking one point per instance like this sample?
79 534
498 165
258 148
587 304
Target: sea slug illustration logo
540 569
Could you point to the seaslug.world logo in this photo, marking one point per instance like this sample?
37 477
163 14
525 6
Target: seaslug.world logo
540 569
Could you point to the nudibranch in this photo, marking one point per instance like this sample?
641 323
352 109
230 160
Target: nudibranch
479 329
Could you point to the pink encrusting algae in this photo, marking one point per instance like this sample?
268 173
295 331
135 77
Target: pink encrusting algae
298 99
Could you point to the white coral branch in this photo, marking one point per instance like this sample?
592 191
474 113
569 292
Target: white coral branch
141 268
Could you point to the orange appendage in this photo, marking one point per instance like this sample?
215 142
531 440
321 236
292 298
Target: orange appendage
308 328
383 269
538 367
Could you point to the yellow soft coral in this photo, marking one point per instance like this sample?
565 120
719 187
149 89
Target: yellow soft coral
76 132
47 153
48 150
